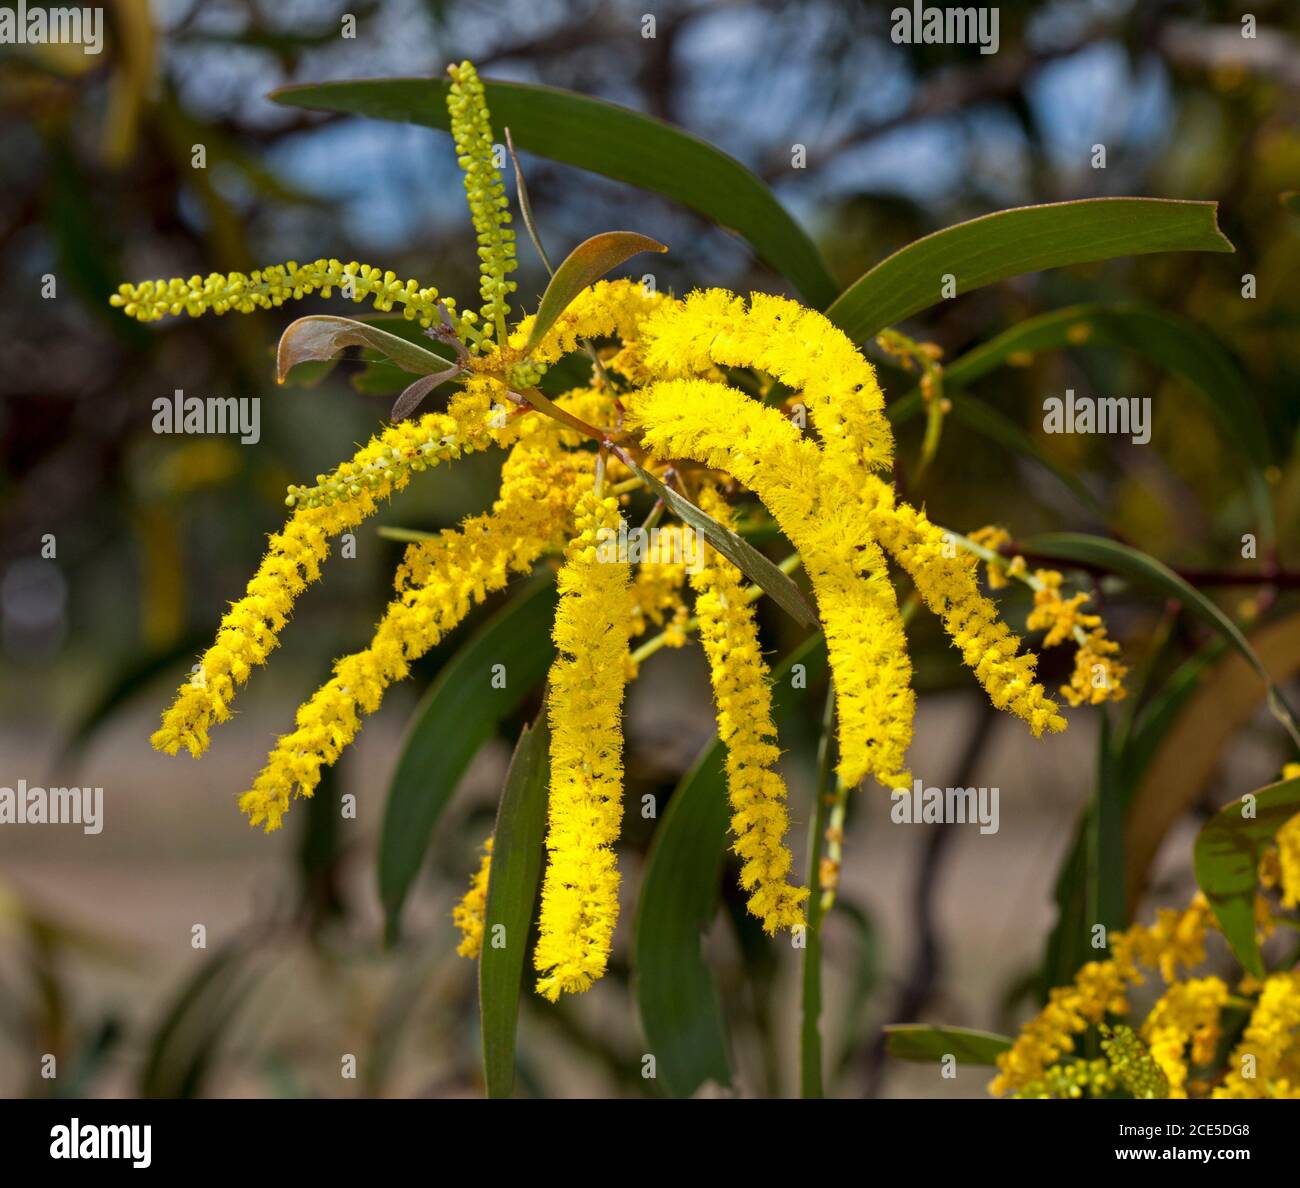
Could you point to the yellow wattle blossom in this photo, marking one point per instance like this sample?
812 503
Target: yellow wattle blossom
618 308
471 129
272 286
468 915
1058 616
945 578
800 347
993 538
757 793
1101 988
1288 850
580 889
1264 1063
1187 1014
250 628
727 430
658 584
437 584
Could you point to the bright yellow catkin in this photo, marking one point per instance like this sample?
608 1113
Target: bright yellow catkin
437 583
585 808
272 286
1266 1062
250 629
468 915
945 577
657 586
727 430
800 347
728 631
1186 1015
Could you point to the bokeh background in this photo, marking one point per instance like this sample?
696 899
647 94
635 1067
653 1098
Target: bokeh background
155 534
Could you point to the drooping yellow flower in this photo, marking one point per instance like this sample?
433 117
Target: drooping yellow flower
1186 1015
727 430
1262 1064
437 584
471 129
470 913
729 634
585 808
993 538
272 286
945 578
658 584
800 347
250 628
1288 850
1056 615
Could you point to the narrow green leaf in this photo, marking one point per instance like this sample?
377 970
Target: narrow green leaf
457 715
767 576
1226 859
1012 242
1170 343
607 139
584 266
675 991
322 337
927 1044
1146 571
512 891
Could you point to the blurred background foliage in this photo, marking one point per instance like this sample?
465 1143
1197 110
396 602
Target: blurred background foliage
154 534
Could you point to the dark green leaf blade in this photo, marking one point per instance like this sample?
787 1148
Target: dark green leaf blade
583 266
607 139
513 879
1226 859
456 716
926 1043
738 551
1012 242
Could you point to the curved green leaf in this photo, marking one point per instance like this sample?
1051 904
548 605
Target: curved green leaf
583 266
513 878
1226 858
321 337
1168 342
675 991
457 715
1012 242
607 139
1145 570
927 1044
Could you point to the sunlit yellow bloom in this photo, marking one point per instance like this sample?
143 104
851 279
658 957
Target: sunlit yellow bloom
471 128
469 914
1187 1014
993 537
729 635
1056 615
727 430
945 577
1287 855
250 628
266 288
437 584
580 890
657 587
800 347
1098 676
1262 1064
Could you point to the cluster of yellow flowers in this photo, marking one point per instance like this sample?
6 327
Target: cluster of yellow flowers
1183 1029
1098 674
661 398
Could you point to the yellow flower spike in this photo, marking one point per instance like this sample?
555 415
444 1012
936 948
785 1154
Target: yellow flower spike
727 430
1186 1015
437 584
250 629
729 635
272 286
469 914
658 584
471 129
993 537
945 577
1288 850
800 347
585 808
1262 1064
